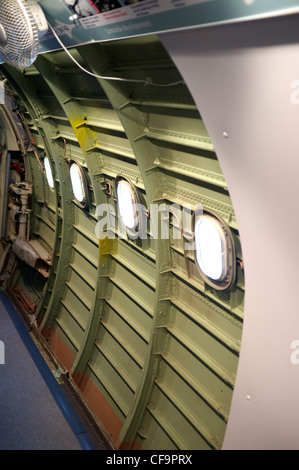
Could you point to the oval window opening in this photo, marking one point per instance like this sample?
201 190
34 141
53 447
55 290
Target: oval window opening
126 203
215 251
78 184
49 173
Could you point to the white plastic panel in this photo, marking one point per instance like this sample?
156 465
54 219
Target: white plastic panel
241 78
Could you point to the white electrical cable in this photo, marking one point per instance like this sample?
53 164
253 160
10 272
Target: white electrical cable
147 81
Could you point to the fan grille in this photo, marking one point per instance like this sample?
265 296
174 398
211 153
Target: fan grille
21 47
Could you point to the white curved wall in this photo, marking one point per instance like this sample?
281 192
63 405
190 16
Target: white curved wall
240 76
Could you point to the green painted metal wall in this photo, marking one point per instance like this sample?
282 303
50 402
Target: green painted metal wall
153 349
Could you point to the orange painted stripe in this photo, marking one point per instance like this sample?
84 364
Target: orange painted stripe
63 354
95 399
101 408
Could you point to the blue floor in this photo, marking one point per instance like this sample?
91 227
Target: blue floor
35 414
